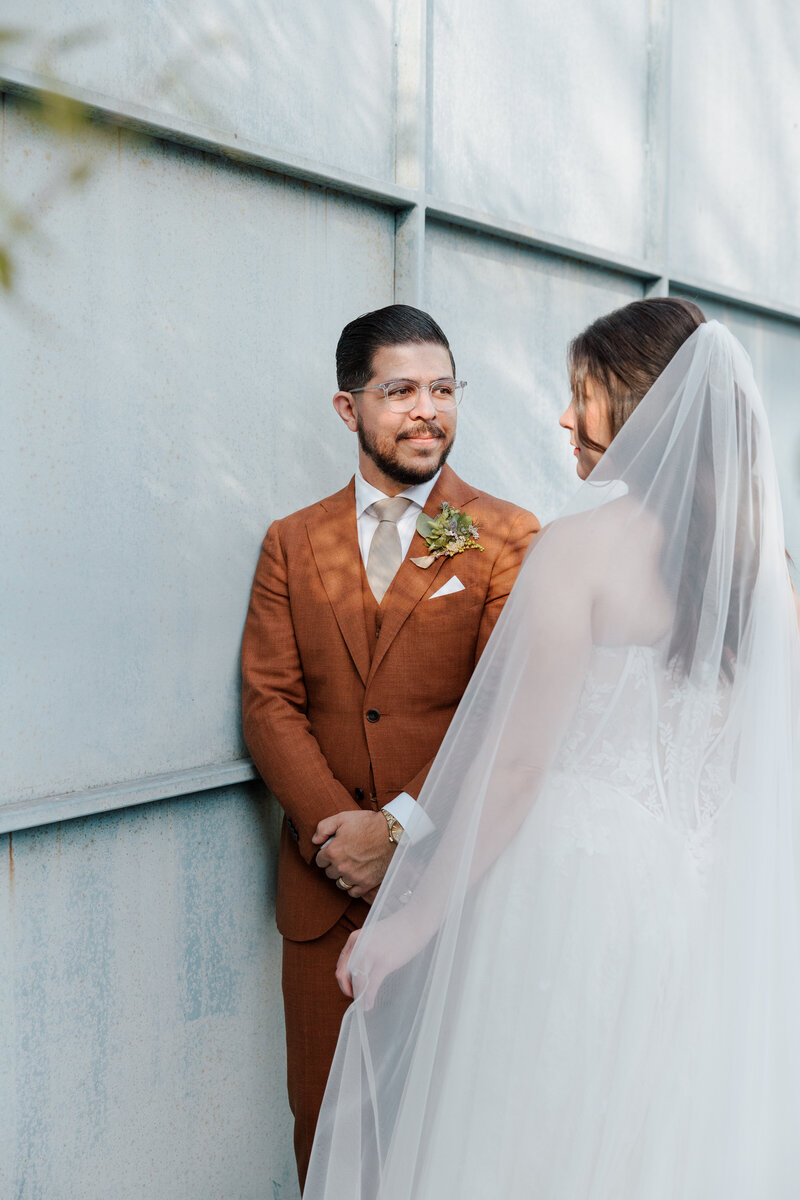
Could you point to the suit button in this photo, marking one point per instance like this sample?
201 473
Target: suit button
359 795
373 715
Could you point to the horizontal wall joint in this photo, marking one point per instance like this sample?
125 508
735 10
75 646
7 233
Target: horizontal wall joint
138 119
45 810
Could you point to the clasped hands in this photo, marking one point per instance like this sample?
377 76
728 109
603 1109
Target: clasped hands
359 851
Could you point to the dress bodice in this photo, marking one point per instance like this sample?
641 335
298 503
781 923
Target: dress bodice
649 732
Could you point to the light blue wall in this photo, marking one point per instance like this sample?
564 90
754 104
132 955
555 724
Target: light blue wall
140 1055
259 174
170 349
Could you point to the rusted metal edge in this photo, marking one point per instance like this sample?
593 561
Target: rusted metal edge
45 810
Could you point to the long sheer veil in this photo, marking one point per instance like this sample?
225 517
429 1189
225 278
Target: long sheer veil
672 555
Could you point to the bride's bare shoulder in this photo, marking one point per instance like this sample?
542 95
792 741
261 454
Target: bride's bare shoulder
608 562
602 567
622 527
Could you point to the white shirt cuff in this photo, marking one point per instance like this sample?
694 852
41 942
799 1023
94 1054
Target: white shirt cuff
416 823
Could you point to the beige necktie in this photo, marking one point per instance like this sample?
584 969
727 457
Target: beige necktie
385 552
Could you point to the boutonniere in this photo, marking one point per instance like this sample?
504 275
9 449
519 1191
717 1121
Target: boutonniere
450 532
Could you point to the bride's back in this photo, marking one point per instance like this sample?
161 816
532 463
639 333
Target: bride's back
617 555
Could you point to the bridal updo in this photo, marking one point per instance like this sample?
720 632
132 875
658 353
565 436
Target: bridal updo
625 352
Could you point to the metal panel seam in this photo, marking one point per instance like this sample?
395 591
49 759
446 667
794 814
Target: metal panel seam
45 810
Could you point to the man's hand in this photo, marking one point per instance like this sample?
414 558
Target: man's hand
360 851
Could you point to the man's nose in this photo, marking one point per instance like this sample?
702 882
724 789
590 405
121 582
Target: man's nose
565 420
424 408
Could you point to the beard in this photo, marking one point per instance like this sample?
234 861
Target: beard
387 461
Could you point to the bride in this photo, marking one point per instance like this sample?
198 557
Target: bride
586 984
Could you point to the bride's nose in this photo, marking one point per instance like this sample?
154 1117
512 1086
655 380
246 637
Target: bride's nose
567 418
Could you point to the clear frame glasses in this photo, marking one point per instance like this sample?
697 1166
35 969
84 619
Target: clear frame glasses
401 395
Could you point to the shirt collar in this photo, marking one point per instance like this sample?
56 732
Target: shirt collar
366 494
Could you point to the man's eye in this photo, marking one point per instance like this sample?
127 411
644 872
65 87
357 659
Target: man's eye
400 389
444 389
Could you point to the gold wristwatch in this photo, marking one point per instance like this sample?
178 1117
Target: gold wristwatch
395 828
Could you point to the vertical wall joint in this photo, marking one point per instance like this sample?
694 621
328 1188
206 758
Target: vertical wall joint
410 137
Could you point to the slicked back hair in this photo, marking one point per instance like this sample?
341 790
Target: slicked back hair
395 325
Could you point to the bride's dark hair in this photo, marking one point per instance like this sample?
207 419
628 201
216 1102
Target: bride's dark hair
626 351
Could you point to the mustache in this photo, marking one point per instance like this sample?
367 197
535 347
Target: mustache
421 429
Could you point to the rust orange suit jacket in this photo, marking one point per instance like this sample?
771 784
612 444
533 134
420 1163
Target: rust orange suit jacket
310 676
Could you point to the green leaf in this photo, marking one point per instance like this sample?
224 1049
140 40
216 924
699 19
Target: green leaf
62 113
424 525
6 270
79 174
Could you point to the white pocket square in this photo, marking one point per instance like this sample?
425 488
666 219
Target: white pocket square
453 584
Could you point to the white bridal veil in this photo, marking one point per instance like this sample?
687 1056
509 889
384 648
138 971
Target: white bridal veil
585 985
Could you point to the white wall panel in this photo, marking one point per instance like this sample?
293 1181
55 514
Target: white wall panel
510 313
539 111
774 348
735 145
142 1024
170 355
167 367
309 78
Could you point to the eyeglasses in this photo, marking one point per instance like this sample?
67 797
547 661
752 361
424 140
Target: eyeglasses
401 395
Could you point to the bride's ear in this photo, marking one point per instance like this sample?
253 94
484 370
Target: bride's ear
345 406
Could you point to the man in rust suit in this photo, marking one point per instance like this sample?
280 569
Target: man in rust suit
355 657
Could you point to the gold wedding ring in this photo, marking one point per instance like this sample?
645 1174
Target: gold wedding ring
340 883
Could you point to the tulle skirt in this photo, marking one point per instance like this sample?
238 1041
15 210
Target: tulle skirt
585 1051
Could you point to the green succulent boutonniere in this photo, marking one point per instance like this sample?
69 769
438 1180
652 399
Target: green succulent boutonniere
450 532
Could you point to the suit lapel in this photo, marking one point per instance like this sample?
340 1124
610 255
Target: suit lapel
333 536
412 582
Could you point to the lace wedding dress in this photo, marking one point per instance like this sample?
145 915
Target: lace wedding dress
586 985
605 887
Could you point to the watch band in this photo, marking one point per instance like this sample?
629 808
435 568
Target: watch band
395 828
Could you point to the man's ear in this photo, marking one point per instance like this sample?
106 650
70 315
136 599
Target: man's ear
345 406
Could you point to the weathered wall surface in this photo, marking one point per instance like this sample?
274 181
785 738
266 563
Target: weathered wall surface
259 174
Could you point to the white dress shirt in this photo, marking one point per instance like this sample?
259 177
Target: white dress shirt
366 494
404 808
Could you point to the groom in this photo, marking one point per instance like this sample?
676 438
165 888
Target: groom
357 648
